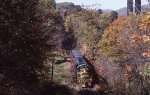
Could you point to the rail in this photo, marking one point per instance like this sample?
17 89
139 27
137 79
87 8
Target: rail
68 52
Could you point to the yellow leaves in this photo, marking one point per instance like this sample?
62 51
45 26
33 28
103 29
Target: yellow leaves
135 38
146 38
146 20
126 36
143 38
119 24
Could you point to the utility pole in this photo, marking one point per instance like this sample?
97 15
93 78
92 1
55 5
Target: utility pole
137 6
129 6
52 69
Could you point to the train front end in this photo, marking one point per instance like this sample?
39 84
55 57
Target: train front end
83 70
84 76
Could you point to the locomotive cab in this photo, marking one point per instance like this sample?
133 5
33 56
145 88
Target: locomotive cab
84 75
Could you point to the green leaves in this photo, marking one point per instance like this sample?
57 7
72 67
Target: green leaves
88 27
146 70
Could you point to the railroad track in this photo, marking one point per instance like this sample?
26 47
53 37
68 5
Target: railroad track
72 70
87 91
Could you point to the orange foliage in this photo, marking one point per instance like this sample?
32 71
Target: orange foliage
125 43
147 53
117 24
145 20
123 37
143 38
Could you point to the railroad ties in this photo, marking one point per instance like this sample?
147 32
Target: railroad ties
68 48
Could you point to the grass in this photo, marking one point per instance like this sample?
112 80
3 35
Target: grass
62 73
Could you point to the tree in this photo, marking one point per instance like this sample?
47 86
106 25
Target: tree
126 42
51 4
114 15
28 30
99 11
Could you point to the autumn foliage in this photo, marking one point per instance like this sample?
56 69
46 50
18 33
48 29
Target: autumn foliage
28 29
126 43
87 26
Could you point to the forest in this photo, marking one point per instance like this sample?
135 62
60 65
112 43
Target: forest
31 36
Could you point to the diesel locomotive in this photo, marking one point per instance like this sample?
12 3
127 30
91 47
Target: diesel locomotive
83 70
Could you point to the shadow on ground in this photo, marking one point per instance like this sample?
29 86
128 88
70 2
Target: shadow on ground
89 92
55 89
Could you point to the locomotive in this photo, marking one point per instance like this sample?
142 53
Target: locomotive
83 70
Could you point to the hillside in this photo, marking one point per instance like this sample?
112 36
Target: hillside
64 49
64 8
115 48
123 11
107 10
125 48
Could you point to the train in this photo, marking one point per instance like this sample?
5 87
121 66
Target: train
83 70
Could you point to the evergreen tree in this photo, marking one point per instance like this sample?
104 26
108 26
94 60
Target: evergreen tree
114 15
100 11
